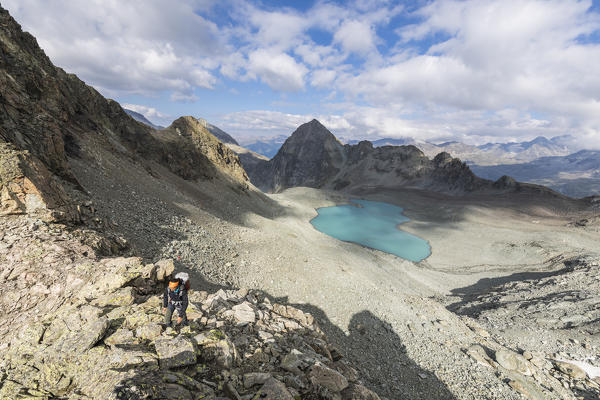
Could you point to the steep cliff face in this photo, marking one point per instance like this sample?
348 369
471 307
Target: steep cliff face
313 157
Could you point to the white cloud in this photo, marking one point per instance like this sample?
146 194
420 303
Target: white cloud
322 78
499 54
278 70
140 47
148 112
356 37
470 69
270 123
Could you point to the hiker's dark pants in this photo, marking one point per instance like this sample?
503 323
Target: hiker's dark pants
180 312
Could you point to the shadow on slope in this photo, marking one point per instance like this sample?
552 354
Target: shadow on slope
488 285
374 347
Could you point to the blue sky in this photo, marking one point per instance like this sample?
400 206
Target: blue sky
473 70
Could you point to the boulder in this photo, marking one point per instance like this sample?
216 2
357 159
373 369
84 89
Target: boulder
274 390
149 331
358 392
514 362
117 272
327 377
92 334
294 361
293 313
121 297
176 352
164 268
478 353
243 314
121 336
255 378
215 346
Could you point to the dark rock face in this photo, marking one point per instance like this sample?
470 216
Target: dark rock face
313 157
308 158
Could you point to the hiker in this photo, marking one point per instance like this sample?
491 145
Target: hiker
176 298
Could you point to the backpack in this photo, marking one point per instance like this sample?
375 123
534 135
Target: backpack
184 278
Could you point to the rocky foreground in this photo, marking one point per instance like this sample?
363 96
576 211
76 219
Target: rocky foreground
92 328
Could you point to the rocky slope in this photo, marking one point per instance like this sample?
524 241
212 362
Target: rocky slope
552 314
78 327
313 157
74 325
188 132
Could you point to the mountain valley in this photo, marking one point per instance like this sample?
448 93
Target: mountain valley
97 209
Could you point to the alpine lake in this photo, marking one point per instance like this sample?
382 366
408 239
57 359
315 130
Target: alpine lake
372 224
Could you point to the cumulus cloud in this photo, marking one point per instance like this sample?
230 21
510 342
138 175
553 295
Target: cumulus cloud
125 47
278 70
468 69
271 123
356 37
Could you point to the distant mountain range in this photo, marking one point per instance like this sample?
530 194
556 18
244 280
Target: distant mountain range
312 156
549 162
576 175
541 161
487 154
140 118
267 147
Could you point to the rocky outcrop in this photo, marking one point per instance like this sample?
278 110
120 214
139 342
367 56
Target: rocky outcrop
27 187
91 328
189 133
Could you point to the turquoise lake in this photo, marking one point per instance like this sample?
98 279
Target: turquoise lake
372 224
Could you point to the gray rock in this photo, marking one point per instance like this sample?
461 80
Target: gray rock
92 335
274 390
121 336
244 314
327 377
255 378
149 331
176 352
478 353
164 268
215 346
514 362
121 297
293 361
